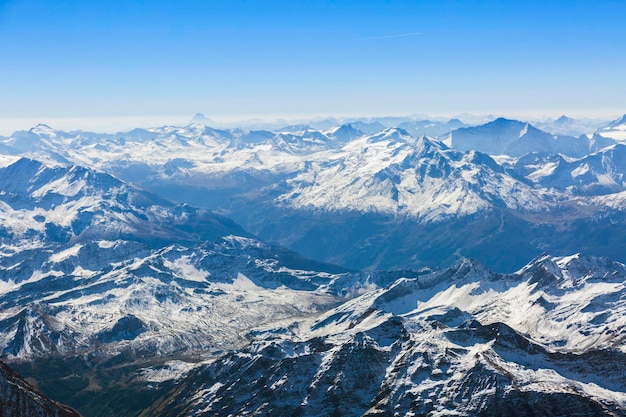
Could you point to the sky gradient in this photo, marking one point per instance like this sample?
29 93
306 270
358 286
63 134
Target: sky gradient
146 60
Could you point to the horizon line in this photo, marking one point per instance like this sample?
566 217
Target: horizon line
114 124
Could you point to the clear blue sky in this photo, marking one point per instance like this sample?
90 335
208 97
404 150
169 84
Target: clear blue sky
83 59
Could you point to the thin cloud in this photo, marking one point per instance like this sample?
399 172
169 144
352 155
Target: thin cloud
399 35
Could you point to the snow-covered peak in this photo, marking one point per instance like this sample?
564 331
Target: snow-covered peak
615 129
618 123
563 120
344 133
574 270
393 134
394 173
43 130
59 204
572 303
515 138
200 119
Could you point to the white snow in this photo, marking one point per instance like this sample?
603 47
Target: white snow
6 160
63 255
185 269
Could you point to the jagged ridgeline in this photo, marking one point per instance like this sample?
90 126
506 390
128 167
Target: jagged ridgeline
464 341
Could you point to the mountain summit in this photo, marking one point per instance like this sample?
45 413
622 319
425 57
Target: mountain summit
200 119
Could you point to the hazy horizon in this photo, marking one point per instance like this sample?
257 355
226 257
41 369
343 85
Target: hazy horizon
125 123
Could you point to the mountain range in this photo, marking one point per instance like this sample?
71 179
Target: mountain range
547 340
336 270
360 193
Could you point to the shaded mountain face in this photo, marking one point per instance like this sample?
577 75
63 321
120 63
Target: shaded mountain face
546 340
599 173
18 398
568 126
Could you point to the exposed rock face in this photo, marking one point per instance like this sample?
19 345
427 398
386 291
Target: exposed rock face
417 374
18 398
461 341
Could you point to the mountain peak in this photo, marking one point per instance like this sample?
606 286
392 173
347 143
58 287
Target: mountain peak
563 120
43 129
395 134
503 121
200 119
618 122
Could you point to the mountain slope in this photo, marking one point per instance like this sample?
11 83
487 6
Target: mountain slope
87 260
100 279
63 204
602 172
393 173
460 341
568 126
378 201
18 398
615 129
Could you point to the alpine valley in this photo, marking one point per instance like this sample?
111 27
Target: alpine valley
379 267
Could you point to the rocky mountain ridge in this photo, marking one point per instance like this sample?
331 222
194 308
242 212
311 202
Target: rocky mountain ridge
461 340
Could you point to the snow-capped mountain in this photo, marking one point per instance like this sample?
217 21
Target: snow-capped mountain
113 297
345 133
568 126
88 260
603 172
464 341
515 138
39 203
393 173
431 128
134 295
370 128
100 275
615 129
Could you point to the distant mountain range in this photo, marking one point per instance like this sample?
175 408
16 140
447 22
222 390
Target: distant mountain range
341 195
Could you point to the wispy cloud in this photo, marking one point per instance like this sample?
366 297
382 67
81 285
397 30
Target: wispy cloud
398 35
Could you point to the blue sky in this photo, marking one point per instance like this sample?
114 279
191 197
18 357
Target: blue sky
240 59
